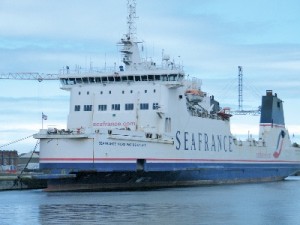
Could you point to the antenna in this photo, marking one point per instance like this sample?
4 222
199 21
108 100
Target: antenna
131 7
241 111
130 50
240 88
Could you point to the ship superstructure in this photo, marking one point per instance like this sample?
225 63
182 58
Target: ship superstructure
143 125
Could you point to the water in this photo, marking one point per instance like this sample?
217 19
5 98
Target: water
264 203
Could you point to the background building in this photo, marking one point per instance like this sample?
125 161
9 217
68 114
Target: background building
8 161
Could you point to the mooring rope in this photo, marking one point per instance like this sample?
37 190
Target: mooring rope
19 177
16 141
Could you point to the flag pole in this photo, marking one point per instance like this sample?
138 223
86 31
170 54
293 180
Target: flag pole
44 117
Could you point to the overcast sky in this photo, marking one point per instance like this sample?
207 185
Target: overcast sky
210 37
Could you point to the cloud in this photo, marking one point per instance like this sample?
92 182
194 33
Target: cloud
65 19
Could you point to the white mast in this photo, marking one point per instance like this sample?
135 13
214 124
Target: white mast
131 7
130 50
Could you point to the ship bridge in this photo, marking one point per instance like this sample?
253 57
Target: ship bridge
95 77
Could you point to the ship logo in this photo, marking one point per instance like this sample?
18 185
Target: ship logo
281 136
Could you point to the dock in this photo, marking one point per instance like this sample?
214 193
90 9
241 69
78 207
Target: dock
20 182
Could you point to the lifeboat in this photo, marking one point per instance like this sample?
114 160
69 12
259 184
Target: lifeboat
194 95
194 92
225 113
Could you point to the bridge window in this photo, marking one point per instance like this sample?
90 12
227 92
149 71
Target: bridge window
151 77
71 81
157 77
78 80
172 77
85 80
164 78
64 81
104 79
92 79
130 78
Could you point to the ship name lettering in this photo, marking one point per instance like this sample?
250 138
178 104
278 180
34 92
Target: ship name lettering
122 144
113 124
185 140
206 142
107 143
203 141
178 140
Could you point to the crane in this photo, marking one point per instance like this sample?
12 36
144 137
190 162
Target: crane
29 76
240 110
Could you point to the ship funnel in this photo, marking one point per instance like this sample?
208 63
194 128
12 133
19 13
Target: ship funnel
271 111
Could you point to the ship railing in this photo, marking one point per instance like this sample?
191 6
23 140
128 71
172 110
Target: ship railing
116 69
56 131
93 70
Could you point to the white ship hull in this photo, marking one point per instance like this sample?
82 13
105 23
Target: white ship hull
189 158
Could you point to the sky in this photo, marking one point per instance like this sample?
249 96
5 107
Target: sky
211 38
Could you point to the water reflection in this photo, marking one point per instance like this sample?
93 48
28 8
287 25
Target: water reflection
112 214
259 204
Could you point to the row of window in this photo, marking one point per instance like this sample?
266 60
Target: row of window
117 78
123 92
117 107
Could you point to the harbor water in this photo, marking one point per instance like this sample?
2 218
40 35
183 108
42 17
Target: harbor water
263 203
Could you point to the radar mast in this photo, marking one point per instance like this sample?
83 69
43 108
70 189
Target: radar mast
130 49
131 7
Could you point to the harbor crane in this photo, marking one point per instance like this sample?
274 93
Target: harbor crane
240 110
29 76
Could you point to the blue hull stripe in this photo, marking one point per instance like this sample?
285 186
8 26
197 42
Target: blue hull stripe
220 168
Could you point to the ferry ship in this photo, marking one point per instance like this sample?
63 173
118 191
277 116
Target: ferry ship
147 125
